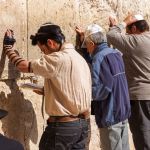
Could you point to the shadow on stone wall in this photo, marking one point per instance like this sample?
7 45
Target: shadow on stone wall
21 122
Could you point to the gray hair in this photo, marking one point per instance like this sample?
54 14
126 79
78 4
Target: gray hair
97 38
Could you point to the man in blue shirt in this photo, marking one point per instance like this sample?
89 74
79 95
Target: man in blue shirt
110 104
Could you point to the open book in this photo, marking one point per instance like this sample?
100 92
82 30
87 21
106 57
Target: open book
31 86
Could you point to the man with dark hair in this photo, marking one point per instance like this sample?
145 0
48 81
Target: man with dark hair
140 25
67 87
7 143
135 46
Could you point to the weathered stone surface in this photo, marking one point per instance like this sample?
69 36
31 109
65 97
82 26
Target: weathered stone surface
13 15
25 122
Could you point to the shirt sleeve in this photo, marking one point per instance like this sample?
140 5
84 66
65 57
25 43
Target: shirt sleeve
102 80
118 39
46 66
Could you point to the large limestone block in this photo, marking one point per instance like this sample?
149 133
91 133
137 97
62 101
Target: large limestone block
13 15
25 17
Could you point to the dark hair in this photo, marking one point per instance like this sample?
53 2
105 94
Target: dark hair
141 25
48 31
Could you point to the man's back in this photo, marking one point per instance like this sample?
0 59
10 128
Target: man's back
137 62
135 48
68 86
110 90
136 55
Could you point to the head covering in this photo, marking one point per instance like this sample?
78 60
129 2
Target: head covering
48 30
138 17
3 113
139 22
91 29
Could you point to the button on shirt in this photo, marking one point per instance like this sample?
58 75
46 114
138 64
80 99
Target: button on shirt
67 84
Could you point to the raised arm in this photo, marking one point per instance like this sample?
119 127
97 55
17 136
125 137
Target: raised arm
13 55
115 34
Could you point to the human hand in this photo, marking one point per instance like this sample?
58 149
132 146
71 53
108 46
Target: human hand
130 19
79 30
112 21
9 38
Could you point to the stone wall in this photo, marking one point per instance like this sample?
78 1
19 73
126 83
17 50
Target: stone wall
24 121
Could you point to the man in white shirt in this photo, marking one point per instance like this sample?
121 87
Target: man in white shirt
67 87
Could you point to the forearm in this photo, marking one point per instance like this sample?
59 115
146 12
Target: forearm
115 31
82 51
20 63
116 37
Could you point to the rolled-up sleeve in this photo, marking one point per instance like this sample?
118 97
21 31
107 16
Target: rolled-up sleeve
46 66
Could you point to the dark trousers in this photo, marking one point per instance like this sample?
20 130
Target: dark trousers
89 134
140 124
65 136
9 144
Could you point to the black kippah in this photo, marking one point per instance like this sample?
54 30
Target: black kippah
48 31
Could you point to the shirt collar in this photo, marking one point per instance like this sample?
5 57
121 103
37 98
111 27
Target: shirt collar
67 46
100 47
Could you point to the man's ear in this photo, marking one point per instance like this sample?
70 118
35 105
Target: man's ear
92 43
133 29
50 42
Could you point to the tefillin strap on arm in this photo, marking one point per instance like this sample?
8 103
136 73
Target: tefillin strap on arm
12 55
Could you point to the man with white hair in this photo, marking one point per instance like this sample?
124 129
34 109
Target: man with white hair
135 46
110 104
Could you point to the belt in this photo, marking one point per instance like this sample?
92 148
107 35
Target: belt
84 115
62 118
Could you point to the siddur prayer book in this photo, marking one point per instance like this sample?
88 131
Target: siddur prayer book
31 86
